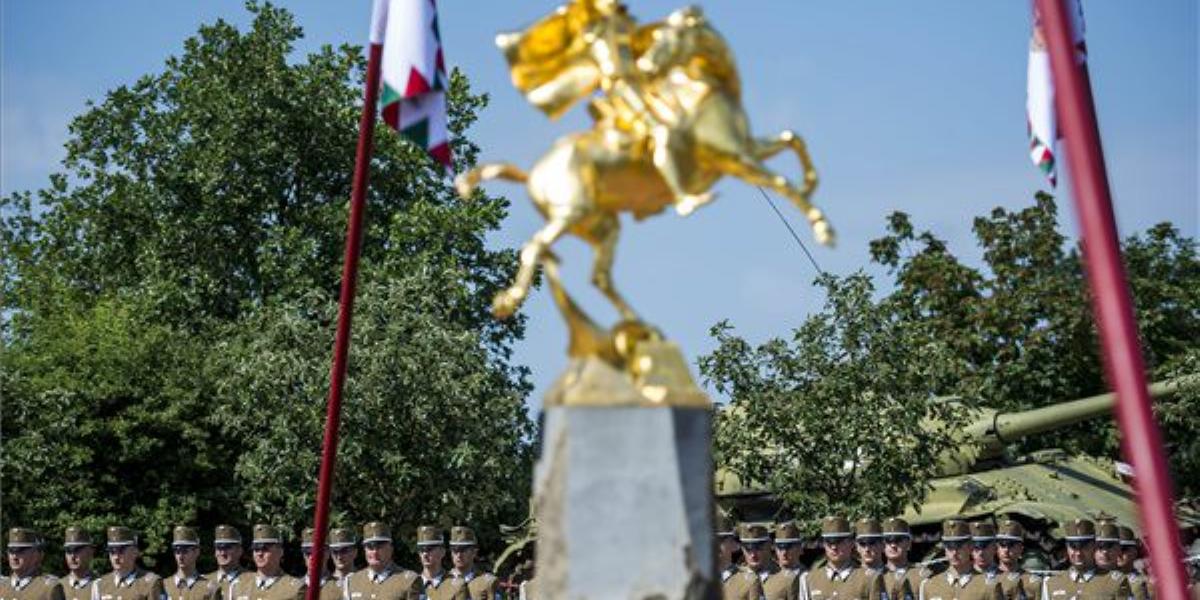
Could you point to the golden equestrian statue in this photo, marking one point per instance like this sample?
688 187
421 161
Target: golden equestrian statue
668 123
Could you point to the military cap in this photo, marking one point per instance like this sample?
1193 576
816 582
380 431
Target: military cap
1128 537
306 537
868 528
429 535
835 527
983 531
724 526
76 537
340 537
954 530
376 532
753 533
896 526
787 533
1080 530
266 534
1108 531
185 536
461 535
121 536
23 537
227 534
1012 531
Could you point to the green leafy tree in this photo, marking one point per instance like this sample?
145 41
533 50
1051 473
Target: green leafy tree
831 419
169 302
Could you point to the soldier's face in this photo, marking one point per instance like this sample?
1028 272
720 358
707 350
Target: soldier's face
983 554
228 555
185 557
1009 551
463 557
958 554
837 550
756 555
869 550
1081 554
23 561
788 554
1106 554
379 554
431 557
895 547
78 557
267 556
1126 557
343 558
123 558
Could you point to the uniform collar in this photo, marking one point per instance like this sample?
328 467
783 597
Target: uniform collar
381 575
1075 575
841 574
263 582
21 583
899 571
728 572
434 581
229 575
956 578
127 580
80 582
467 577
187 582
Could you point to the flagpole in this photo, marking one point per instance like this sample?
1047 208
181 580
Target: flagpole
341 345
1140 437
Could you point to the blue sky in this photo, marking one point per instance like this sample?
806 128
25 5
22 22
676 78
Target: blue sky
915 106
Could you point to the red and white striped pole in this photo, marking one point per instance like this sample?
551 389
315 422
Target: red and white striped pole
341 344
1140 438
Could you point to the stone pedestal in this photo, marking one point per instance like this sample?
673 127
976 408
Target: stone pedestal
624 498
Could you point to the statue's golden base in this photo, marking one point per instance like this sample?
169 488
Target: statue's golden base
657 376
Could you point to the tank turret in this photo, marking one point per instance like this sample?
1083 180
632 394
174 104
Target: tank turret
991 432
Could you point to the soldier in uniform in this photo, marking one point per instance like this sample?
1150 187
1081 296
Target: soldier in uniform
463 549
330 588
268 582
1082 579
431 549
343 548
784 582
382 579
841 578
78 552
983 548
868 540
960 581
736 583
187 583
127 581
1108 557
901 580
25 580
1016 583
227 549
756 549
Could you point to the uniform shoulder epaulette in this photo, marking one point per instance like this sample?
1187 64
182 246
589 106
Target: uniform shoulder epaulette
925 572
488 577
50 579
151 577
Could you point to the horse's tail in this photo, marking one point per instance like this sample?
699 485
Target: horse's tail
467 182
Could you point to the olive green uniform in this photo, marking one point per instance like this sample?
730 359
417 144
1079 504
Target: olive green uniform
136 585
31 587
1093 584
1138 585
903 584
782 584
224 580
331 587
253 586
77 588
969 585
1020 585
740 584
393 583
849 583
483 586
445 587
197 587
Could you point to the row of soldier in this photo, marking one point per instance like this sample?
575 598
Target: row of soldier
982 561
381 579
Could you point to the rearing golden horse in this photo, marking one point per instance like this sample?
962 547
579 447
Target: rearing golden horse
666 131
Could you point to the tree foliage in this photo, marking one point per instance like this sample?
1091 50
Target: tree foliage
169 302
810 416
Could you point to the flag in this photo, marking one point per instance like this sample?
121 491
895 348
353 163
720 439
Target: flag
1039 98
413 70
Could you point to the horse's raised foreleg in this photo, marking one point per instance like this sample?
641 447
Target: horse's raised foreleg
750 170
508 301
603 239
765 148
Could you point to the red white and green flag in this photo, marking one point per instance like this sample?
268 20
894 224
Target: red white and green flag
413 71
1039 99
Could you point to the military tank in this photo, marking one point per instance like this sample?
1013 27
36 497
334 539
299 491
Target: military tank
985 476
